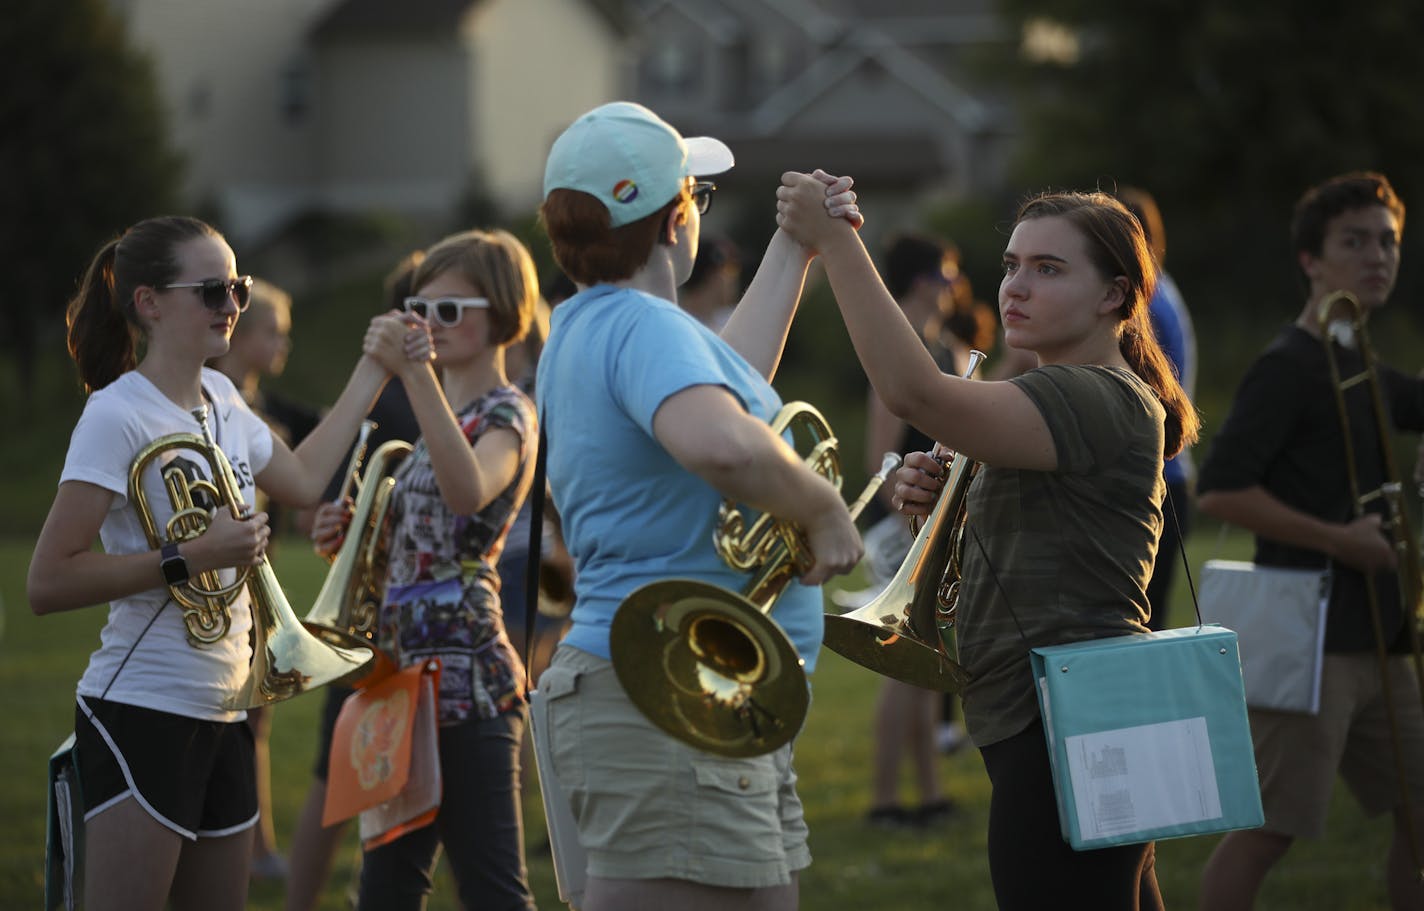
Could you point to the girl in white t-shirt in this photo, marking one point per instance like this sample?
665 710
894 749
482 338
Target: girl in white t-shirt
166 769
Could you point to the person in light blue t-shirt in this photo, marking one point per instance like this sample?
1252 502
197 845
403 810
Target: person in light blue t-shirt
652 420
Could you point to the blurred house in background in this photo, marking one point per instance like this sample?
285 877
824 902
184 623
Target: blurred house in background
286 107
351 106
875 88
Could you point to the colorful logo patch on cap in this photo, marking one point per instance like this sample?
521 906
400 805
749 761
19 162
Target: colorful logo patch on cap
625 191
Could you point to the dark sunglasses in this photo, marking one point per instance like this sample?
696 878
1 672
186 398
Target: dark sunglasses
215 291
702 195
447 311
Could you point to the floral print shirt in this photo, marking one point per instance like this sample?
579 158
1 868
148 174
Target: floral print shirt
442 589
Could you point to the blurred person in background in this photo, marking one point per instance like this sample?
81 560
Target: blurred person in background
1065 509
454 499
314 845
652 419
1277 468
711 291
1172 324
167 768
922 274
261 343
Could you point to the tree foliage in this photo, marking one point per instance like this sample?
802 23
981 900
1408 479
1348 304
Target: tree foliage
84 153
1226 110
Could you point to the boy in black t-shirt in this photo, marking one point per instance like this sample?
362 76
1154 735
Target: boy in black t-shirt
1277 468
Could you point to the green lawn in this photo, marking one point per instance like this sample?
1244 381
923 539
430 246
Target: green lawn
855 866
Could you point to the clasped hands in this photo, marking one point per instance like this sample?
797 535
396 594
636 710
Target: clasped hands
814 207
398 340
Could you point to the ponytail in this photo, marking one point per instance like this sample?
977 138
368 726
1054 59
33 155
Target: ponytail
102 332
103 328
1139 347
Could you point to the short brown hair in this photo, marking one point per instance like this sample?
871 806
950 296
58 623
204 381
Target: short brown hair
496 263
587 249
1336 196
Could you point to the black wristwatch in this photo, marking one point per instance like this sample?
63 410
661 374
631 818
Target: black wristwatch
175 568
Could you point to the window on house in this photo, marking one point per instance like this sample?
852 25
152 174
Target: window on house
295 91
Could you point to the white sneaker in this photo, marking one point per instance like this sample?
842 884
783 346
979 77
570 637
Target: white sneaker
950 736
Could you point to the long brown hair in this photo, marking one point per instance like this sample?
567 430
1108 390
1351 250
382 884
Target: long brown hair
104 330
1118 249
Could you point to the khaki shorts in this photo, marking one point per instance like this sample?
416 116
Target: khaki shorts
648 806
1299 755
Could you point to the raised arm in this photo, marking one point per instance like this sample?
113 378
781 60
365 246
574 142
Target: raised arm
994 423
299 477
469 477
758 327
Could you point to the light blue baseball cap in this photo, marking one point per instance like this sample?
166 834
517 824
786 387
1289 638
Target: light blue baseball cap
630 159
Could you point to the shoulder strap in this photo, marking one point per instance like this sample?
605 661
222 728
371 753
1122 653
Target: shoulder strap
536 553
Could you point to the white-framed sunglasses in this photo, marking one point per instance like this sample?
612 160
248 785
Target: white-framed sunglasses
446 311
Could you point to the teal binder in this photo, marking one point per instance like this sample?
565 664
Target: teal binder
1148 736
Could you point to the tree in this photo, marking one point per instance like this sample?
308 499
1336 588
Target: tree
84 152
1226 111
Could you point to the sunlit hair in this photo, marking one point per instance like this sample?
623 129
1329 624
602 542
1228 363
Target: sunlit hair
1142 204
588 250
498 265
103 326
1336 196
1117 249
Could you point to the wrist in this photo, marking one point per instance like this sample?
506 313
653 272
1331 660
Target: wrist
173 564
794 249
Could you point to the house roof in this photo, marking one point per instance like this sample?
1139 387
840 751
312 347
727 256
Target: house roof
829 70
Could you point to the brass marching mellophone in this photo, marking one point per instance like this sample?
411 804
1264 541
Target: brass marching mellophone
709 666
900 632
349 603
286 659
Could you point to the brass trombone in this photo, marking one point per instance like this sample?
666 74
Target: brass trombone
1395 521
899 633
709 666
286 659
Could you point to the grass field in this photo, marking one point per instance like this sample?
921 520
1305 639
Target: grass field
855 866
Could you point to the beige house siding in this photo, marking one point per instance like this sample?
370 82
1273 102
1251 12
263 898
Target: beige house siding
273 123
391 132
226 72
538 65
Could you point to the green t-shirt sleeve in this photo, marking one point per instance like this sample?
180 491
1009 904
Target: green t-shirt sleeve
1092 413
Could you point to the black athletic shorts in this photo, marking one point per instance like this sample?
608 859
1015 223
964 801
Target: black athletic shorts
195 777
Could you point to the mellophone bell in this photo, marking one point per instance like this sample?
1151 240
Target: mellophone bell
287 660
710 666
900 633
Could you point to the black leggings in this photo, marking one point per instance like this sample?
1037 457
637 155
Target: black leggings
1031 865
